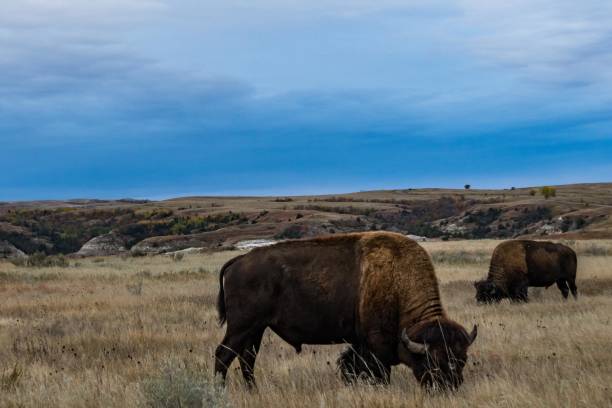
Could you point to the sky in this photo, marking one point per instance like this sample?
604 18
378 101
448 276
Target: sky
160 98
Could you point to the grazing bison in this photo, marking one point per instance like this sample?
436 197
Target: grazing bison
518 264
376 291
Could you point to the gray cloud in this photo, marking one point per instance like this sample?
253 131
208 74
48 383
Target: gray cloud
71 65
564 41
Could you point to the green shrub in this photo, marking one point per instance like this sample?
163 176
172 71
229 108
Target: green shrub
179 386
291 232
40 260
548 192
340 210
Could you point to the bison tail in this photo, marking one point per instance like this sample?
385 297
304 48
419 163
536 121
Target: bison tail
221 297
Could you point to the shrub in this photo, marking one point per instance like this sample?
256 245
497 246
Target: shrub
548 192
291 232
531 215
595 250
340 210
40 260
179 386
9 380
532 193
135 288
460 257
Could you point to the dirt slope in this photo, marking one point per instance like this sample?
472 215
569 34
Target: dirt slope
576 211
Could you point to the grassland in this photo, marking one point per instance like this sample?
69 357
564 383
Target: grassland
142 331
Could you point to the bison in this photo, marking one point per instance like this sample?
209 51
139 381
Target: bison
518 264
376 291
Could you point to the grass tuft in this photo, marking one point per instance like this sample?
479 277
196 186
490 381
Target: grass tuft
180 386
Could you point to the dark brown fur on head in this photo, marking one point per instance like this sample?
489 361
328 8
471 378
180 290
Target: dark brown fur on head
487 292
442 364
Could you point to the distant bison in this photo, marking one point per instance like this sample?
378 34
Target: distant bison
518 264
376 291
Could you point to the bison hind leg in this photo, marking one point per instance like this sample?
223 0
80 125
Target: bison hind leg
562 285
358 363
572 286
249 355
243 344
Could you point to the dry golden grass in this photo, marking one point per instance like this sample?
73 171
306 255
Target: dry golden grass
97 333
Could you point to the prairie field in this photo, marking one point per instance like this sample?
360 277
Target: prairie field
125 331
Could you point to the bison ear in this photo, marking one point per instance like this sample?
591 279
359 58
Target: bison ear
473 335
413 347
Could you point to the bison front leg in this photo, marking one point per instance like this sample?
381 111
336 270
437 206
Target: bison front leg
359 363
519 292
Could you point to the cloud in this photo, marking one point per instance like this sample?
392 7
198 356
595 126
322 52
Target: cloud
553 41
66 62
70 13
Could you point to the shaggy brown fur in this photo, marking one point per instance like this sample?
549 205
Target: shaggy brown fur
362 289
516 265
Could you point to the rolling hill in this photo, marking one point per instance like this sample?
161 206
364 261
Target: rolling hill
579 211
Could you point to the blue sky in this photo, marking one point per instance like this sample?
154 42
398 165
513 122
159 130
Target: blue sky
155 98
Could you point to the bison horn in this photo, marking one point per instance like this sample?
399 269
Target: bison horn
473 334
412 346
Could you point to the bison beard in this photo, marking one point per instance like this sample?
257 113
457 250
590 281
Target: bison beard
516 265
376 291
361 364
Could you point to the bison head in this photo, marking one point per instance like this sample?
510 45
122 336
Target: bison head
487 292
438 353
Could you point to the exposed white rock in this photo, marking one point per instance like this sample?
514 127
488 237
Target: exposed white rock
185 251
8 250
254 243
452 228
417 238
103 245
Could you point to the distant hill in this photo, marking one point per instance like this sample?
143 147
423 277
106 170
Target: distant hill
576 211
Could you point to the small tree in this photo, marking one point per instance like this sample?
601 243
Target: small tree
532 192
467 186
548 192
